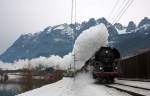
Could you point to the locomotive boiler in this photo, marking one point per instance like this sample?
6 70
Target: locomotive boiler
105 68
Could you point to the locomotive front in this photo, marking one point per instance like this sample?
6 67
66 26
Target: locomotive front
105 70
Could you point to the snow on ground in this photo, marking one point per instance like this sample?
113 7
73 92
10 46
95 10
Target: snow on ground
5 65
13 76
135 83
136 90
82 85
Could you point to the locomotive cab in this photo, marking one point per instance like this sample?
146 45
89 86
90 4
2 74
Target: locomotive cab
105 69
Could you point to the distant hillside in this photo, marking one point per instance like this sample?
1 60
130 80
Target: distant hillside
58 39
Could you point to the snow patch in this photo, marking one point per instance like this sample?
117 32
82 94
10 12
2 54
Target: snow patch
60 27
49 29
58 39
78 27
121 31
68 30
146 26
146 33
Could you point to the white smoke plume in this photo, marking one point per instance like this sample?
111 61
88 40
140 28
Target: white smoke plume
89 42
85 46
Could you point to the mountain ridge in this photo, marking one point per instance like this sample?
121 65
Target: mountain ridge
58 40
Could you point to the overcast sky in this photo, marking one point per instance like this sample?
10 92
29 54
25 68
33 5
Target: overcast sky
29 16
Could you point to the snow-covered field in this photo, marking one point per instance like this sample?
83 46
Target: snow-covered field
82 85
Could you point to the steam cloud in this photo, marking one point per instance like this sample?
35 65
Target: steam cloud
85 46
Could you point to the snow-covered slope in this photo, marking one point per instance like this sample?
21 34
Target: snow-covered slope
55 40
83 85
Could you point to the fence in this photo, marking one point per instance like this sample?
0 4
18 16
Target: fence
136 66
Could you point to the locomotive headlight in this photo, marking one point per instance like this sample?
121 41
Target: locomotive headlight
106 51
116 68
101 68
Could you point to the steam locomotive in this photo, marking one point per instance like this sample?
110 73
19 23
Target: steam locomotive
104 67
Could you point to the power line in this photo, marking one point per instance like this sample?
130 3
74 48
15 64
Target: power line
72 6
73 15
75 7
118 10
121 8
113 9
124 11
74 40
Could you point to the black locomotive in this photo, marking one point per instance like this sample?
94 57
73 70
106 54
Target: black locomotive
105 68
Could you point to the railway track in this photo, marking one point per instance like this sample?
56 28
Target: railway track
140 80
132 90
134 86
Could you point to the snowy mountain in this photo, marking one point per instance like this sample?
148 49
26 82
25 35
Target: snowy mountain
58 40
131 42
52 40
